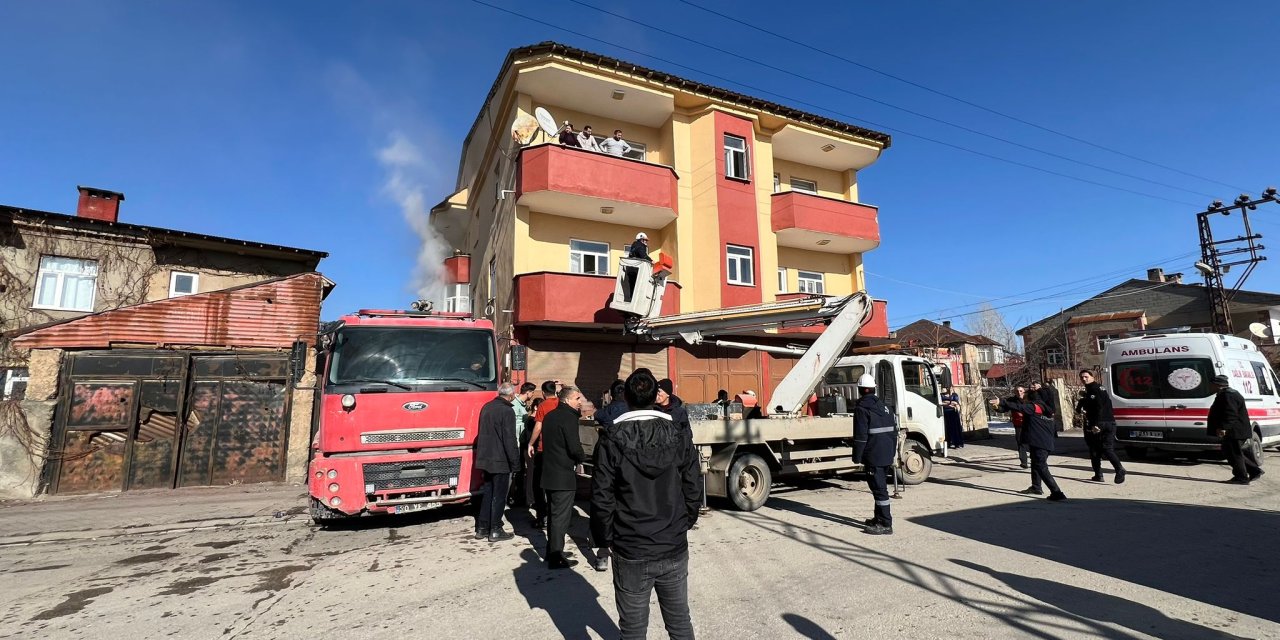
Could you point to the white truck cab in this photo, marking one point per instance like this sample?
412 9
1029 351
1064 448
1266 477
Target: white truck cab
1161 393
907 385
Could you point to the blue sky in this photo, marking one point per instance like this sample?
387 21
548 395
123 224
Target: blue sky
333 125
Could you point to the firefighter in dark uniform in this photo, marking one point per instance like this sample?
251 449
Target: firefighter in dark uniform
874 445
1229 420
1099 427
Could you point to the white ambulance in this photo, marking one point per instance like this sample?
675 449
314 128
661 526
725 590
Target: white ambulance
1160 390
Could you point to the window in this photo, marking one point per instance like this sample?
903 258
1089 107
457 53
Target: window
1055 356
741 266
493 276
1104 339
984 355
13 384
735 158
918 379
637 151
844 375
413 359
777 183
588 257
183 284
1173 378
804 186
782 280
457 298
66 284
811 282
1264 383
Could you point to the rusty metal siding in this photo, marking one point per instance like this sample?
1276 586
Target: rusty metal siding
271 314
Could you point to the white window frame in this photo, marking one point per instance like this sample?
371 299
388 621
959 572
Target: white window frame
457 298
807 186
1102 340
777 183
637 151
173 283
60 283
601 257
984 355
9 378
1055 356
808 283
782 280
493 277
740 259
731 152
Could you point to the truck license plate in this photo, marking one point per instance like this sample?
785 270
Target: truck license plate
1158 435
416 506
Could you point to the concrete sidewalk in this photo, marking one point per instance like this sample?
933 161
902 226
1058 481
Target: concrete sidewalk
62 518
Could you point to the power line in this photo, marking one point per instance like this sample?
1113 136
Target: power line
849 117
888 104
957 98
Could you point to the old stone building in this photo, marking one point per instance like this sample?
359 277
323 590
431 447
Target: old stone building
135 356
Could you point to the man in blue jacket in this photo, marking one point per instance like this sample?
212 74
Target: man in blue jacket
874 444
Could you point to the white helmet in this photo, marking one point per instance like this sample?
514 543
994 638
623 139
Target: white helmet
642 236
867 381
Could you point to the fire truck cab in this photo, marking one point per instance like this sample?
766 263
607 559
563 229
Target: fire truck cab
396 422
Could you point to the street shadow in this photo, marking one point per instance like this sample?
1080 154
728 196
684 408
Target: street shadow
978 487
1102 607
571 602
1215 555
1106 467
803 509
807 627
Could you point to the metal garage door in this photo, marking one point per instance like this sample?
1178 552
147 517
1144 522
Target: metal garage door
591 366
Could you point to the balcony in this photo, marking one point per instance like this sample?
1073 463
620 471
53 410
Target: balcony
571 182
574 299
817 223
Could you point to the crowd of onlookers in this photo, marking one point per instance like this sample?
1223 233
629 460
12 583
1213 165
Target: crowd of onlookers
585 139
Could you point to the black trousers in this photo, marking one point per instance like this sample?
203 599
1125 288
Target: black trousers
633 583
1040 470
494 501
1103 445
561 505
538 497
878 482
1244 465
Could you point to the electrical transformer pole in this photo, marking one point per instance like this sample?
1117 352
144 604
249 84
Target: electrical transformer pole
1212 252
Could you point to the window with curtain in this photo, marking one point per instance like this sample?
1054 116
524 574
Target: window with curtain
66 284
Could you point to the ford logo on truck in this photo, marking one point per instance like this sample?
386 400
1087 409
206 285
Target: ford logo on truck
415 406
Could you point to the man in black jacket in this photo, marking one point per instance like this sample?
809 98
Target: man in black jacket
616 407
645 495
1049 394
671 404
497 456
874 445
561 455
1039 433
1099 427
1229 420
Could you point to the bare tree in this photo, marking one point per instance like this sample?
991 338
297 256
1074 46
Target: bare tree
989 322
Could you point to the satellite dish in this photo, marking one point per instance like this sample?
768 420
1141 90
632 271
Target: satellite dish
547 123
523 129
1260 330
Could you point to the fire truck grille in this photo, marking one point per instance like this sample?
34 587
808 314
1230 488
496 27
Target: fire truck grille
427 435
421 473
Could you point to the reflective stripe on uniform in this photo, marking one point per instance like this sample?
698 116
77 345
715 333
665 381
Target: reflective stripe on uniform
883 503
881 430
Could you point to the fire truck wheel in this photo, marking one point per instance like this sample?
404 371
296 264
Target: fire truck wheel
916 463
749 482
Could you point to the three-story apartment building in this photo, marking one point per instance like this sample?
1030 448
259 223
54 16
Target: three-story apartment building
755 201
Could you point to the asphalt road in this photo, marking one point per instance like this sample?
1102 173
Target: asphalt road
1172 553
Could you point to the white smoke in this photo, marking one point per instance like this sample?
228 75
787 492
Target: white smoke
408 176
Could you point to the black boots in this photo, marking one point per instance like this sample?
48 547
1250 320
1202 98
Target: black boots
497 534
559 561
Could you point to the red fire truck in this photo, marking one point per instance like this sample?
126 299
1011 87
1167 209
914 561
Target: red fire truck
396 424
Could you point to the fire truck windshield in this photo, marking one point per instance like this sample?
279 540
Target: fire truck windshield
408 358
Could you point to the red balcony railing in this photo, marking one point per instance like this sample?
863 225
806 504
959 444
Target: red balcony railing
818 223
574 299
568 181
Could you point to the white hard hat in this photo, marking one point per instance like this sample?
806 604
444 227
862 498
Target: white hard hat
867 381
642 236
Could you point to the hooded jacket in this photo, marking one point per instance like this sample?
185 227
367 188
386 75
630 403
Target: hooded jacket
1038 431
646 489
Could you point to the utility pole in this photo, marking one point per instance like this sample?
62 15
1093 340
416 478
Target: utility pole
1212 253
